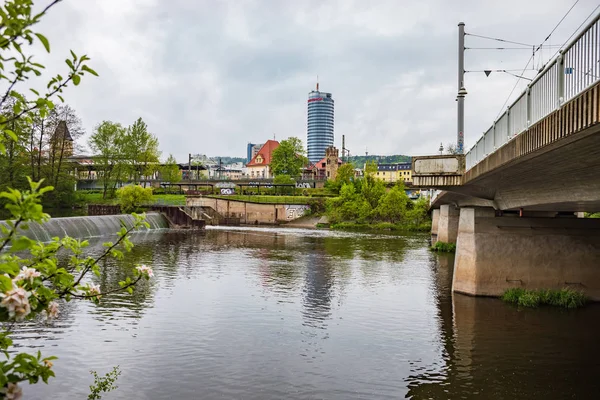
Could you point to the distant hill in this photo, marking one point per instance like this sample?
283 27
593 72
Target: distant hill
229 160
359 161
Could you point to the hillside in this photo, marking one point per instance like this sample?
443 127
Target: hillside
359 161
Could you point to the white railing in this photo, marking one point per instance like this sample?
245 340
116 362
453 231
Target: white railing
576 68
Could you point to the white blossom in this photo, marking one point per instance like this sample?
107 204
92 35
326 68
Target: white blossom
28 274
16 301
12 392
145 270
93 289
52 310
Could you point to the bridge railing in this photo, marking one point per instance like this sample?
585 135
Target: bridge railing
576 68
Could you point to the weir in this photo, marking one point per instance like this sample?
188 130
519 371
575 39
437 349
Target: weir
85 227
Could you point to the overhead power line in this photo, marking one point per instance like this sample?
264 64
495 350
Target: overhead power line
499 40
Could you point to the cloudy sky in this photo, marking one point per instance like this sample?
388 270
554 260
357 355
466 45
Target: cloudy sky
210 75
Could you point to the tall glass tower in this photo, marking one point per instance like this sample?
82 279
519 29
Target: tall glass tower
320 124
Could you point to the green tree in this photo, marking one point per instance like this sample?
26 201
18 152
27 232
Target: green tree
345 175
107 144
170 172
392 205
140 150
289 158
32 276
131 197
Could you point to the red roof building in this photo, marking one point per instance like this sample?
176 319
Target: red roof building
318 170
258 167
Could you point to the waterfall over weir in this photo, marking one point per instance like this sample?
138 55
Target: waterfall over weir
85 227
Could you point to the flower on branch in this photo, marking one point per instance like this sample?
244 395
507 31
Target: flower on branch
16 301
28 274
145 270
52 310
93 290
12 392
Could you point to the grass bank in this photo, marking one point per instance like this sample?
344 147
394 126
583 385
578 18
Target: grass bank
381 226
444 247
270 199
96 198
565 298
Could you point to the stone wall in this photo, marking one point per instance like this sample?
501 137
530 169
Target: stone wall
251 213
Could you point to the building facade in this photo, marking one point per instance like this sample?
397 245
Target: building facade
326 168
258 167
394 172
320 123
251 150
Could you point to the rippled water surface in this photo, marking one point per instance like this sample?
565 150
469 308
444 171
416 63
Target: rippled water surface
296 314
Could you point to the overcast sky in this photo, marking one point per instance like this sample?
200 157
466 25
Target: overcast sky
208 76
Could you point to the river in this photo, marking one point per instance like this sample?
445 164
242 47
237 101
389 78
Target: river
249 313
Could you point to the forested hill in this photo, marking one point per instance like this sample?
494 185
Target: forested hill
359 161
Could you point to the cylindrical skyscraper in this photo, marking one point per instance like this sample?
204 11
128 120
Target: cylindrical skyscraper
320 124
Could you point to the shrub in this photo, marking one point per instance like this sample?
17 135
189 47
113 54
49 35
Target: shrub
565 298
444 247
133 196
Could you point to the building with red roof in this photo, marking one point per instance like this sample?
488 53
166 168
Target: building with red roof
258 167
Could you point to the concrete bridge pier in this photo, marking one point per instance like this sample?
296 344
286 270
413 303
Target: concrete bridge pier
435 218
448 223
496 253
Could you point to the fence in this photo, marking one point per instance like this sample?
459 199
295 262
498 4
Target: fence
576 68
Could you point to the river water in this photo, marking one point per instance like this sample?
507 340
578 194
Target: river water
243 313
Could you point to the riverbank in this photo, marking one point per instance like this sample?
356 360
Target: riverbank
381 226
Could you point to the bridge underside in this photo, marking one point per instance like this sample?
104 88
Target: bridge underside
513 215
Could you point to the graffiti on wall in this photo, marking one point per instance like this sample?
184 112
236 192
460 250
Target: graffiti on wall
295 211
227 191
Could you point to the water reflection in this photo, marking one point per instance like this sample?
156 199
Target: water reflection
283 313
495 350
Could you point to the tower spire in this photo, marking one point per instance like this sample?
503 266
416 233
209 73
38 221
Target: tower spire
317 83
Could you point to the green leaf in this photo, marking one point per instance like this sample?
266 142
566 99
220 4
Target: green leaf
10 133
88 69
20 243
44 41
74 56
5 283
76 79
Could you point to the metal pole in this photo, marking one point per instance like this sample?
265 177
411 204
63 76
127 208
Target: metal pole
190 167
343 147
460 139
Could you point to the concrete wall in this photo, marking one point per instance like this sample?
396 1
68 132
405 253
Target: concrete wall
448 224
435 218
497 253
251 213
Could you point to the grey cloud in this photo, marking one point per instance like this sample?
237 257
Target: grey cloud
210 75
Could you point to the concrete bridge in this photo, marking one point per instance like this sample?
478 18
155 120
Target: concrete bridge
514 203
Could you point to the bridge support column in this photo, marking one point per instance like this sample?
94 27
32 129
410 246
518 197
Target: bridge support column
448 224
435 218
497 253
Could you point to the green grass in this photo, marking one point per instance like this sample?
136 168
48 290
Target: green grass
565 298
444 247
270 199
380 226
160 199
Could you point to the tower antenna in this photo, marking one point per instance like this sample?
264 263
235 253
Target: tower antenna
317 83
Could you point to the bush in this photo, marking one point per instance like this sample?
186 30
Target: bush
565 298
133 196
444 247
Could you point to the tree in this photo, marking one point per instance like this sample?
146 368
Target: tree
451 148
392 205
345 175
170 172
32 276
370 168
132 197
140 150
289 158
107 145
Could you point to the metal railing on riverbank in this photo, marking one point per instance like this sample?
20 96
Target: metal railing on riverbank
573 71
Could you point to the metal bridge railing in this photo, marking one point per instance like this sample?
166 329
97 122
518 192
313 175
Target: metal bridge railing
576 68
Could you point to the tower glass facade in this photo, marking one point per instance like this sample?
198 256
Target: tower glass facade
320 124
